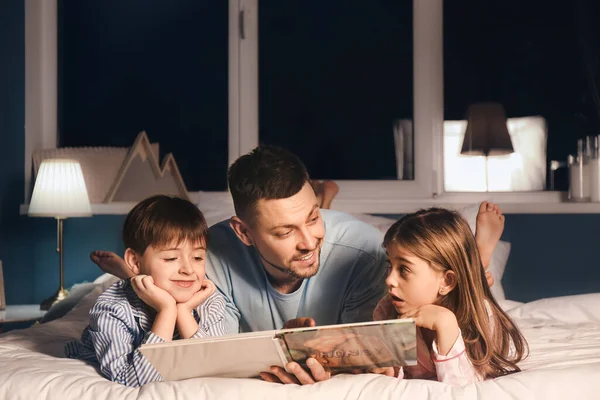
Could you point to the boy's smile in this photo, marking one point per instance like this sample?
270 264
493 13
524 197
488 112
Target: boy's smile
184 284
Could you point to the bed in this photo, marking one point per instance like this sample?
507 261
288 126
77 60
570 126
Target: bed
564 362
563 335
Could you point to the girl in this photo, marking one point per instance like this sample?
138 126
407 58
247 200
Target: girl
436 277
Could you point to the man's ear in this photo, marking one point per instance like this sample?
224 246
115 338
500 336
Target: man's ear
448 282
241 230
132 259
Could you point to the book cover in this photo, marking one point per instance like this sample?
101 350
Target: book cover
343 348
338 347
243 355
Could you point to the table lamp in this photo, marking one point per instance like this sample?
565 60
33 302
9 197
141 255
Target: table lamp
487 133
59 192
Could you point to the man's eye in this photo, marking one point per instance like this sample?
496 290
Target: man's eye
313 220
282 235
170 259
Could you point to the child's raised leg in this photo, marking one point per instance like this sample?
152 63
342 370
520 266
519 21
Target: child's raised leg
111 263
330 190
489 227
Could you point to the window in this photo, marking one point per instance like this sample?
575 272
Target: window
532 60
437 57
333 78
156 66
380 182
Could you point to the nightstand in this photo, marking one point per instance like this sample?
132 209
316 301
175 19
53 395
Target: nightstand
20 313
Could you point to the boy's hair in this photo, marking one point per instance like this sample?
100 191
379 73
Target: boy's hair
444 240
161 220
267 173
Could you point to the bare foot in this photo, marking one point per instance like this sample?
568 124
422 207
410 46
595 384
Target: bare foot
330 190
488 230
111 263
318 188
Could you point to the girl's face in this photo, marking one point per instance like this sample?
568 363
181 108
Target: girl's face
411 282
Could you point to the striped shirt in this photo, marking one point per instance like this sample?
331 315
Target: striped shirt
120 322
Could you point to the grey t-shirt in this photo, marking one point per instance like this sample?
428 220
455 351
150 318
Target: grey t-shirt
347 287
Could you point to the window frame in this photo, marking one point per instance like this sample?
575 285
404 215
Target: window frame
428 92
427 100
355 196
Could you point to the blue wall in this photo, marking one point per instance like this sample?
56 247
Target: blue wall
551 254
27 245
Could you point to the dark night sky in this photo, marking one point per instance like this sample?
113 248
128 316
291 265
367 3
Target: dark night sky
333 76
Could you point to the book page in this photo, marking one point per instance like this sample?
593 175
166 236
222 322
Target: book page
353 346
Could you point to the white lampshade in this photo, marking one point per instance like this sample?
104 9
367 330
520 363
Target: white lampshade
59 191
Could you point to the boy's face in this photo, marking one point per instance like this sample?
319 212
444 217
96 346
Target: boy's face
177 268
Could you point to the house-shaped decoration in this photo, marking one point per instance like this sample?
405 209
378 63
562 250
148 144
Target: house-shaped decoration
122 174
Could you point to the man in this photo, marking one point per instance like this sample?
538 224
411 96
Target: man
281 261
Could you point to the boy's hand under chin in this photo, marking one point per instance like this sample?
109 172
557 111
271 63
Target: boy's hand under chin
186 323
155 297
206 290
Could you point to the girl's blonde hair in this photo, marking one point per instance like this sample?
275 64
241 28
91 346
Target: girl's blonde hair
444 240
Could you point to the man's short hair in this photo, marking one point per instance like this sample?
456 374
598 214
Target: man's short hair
163 220
266 173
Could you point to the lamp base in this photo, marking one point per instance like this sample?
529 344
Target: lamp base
60 295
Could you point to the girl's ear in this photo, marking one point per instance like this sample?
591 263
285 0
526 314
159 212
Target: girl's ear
448 282
241 230
132 259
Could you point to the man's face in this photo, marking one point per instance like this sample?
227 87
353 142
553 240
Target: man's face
288 234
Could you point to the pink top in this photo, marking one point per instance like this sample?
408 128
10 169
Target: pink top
455 368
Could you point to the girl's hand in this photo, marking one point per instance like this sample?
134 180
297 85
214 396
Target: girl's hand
432 317
206 290
155 297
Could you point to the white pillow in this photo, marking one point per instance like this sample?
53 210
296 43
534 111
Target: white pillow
76 294
381 223
499 256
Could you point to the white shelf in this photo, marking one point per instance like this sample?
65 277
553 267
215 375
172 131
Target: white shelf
219 204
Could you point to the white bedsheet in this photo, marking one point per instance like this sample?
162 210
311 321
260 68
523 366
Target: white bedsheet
563 334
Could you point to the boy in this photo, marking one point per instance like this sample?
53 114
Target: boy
168 298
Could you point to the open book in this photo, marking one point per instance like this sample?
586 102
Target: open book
337 347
